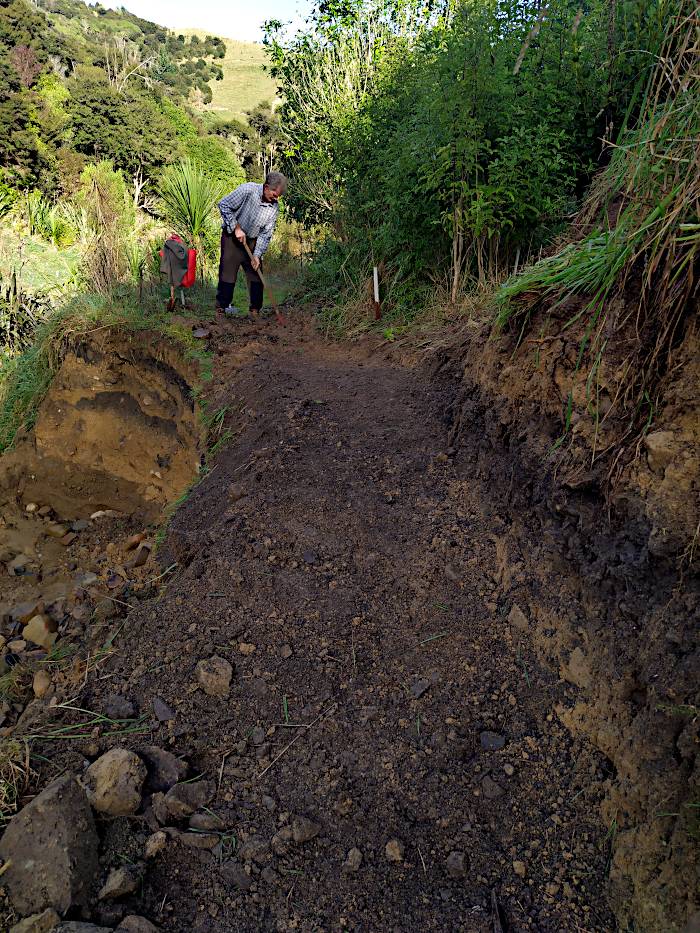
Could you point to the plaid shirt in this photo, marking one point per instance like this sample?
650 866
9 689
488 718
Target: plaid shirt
256 217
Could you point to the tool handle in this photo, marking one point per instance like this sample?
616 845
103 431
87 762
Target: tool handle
278 314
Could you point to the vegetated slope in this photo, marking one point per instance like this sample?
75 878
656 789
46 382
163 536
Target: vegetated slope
245 83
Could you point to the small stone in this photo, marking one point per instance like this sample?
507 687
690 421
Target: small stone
491 789
18 565
419 687
31 507
282 840
492 741
509 770
51 846
41 683
214 676
246 648
80 524
199 840
117 706
141 556
162 711
206 822
155 844
45 510
120 882
17 645
456 865
76 926
201 333
235 875
236 491
41 631
304 829
164 770
257 736
519 869
352 862
183 799
44 922
134 541
552 889
23 612
114 782
394 850
518 619
68 538
286 651
134 924
309 557
452 573
56 530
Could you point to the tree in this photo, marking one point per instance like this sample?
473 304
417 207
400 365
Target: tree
26 64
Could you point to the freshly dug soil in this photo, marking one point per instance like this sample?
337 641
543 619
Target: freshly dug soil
424 729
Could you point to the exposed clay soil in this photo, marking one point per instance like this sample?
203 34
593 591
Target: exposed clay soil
426 655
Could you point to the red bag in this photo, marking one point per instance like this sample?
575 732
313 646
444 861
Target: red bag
191 274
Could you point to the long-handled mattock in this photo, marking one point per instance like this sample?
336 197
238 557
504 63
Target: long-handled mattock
281 319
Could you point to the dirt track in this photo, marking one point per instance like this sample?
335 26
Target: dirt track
357 585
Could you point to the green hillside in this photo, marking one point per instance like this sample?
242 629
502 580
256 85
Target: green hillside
245 84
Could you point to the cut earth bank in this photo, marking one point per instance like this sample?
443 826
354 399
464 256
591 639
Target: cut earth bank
394 666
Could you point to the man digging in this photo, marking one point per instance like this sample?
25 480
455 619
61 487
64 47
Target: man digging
248 217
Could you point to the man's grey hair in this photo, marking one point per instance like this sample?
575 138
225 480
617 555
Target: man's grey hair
277 181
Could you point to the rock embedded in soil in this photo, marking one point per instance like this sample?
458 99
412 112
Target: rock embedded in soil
353 861
304 829
214 676
182 800
120 882
519 868
255 850
52 846
196 840
206 822
44 922
135 924
394 850
163 769
114 782
492 741
419 687
456 865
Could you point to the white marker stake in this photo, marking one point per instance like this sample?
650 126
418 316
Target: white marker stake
377 310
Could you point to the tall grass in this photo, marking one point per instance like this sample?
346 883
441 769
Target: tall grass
649 252
188 198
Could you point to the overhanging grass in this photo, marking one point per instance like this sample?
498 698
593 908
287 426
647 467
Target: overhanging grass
25 379
654 180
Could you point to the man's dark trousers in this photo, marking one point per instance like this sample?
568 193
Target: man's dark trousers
233 256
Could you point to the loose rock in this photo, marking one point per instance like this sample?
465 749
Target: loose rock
304 829
52 849
518 619
118 707
419 687
120 882
214 676
183 799
163 769
352 861
491 789
155 844
255 850
44 922
134 924
40 630
394 850
41 683
456 865
520 869
492 741
114 782
162 711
